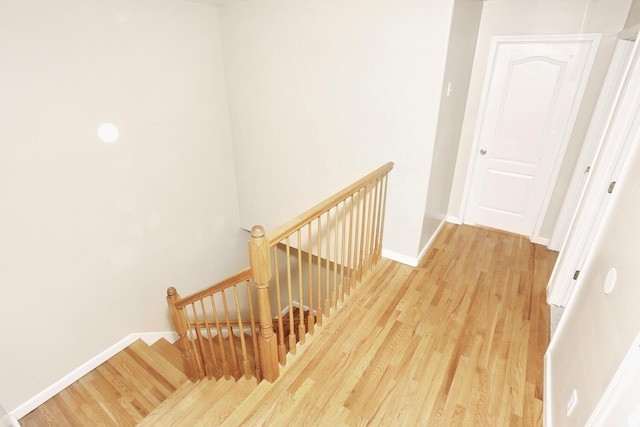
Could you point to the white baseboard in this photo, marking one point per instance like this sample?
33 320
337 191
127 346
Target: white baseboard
424 250
85 368
544 241
410 261
454 219
546 402
401 258
9 420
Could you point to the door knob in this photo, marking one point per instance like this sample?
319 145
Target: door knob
483 152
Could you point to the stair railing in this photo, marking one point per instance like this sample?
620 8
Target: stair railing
304 269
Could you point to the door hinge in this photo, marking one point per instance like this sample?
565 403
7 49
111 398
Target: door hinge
611 187
588 169
576 274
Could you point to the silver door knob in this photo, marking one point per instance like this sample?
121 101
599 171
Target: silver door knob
483 152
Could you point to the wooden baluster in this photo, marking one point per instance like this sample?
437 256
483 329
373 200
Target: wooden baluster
356 248
370 212
180 323
232 342
261 268
212 353
282 348
246 365
366 262
361 238
382 214
312 320
319 308
365 229
376 229
292 325
372 228
198 349
223 353
302 334
342 255
351 245
254 336
327 263
334 295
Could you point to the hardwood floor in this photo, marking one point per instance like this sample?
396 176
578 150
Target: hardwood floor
119 392
457 341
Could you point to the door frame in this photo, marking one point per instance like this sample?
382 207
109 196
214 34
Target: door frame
602 116
593 39
608 161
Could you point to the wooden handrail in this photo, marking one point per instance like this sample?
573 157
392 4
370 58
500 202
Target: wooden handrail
301 220
226 283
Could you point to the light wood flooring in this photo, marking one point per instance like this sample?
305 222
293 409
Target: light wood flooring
457 341
119 392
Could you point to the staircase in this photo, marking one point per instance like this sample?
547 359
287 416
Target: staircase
302 272
146 385
121 391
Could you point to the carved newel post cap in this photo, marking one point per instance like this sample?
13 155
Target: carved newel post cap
171 291
257 232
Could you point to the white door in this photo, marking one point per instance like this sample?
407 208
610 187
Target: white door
533 90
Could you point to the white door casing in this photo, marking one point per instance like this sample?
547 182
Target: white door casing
600 121
622 131
531 96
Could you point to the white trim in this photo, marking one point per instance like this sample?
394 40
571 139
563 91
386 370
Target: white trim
600 122
9 420
426 247
453 219
497 40
151 337
630 33
626 372
401 258
544 241
413 262
548 397
621 134
85 368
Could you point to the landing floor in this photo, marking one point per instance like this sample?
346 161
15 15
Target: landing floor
457 341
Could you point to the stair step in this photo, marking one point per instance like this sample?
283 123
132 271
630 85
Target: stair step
171 352
121 391
157 364
209 402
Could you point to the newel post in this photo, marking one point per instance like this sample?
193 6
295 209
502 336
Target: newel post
180 324
261 268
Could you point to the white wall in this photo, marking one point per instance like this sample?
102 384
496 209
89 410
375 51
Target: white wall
460 53
597 329
634 14
323 92
513 17
92 234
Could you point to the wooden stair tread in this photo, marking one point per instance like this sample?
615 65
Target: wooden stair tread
157 363
171 352
119 392
182 407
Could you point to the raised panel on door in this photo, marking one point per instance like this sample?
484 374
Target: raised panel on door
532 95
